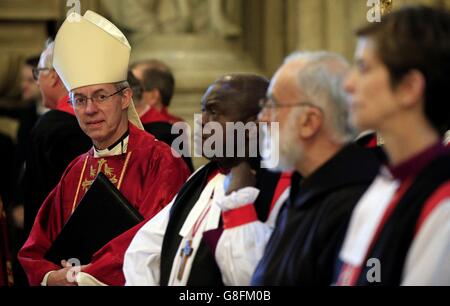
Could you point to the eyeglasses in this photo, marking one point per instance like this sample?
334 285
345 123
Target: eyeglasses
80 102
272 103
37 71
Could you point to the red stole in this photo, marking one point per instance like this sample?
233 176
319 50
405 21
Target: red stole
114 167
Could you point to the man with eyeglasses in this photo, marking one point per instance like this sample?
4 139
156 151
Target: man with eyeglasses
143 169
177 247
307 99
55 140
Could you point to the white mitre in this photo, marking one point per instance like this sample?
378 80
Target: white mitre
90 50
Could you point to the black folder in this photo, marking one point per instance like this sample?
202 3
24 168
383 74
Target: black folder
102 215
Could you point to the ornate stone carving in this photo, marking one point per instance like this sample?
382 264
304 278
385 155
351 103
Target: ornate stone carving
146 17
386 6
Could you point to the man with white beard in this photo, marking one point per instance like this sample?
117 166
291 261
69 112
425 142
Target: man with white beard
177 247
306 97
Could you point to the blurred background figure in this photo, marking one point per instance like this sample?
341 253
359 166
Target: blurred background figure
6 277
34 108
27 116
55 140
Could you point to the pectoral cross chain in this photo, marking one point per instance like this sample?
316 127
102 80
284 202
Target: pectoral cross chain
186 252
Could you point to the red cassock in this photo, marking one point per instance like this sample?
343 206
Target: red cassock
163 115
147 175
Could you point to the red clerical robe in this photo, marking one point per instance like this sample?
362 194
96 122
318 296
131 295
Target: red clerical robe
163 115
147 175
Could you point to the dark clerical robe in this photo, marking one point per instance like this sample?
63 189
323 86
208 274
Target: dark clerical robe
6 166
146 173
310 227
55 141
6 276
178 246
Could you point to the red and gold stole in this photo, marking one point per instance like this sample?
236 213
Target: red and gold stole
114 167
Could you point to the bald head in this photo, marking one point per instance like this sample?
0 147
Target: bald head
46 59
284 85
238 95
232 99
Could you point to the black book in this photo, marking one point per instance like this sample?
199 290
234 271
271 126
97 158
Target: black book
102 215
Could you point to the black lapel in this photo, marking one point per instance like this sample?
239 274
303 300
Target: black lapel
186 199
344 169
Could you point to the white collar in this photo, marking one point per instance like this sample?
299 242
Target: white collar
119 149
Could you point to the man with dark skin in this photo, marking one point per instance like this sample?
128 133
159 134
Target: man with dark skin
177 247
306 99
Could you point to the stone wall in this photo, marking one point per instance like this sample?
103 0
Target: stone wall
271 30
329 24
